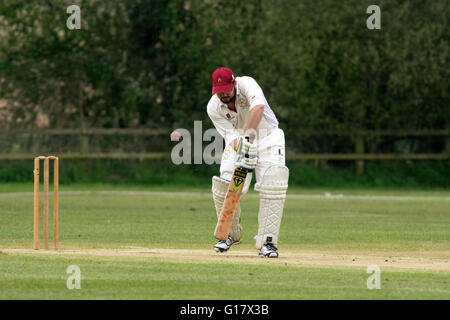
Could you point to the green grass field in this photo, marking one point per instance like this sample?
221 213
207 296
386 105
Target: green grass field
148 243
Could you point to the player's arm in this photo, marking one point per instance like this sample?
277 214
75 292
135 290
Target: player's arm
256 100
253 121
256 114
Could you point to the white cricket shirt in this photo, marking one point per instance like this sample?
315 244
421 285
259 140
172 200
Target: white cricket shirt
231 124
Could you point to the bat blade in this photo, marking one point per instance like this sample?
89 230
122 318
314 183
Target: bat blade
230 204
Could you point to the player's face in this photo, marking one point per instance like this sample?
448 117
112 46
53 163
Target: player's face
227 97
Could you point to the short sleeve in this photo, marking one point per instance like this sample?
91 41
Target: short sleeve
253 92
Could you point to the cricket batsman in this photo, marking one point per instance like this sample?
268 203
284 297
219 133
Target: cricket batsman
237 109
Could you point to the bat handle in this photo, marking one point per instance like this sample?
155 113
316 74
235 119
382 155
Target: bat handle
247 137
250 138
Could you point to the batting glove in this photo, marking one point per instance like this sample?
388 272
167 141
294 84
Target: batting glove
248 155
242 145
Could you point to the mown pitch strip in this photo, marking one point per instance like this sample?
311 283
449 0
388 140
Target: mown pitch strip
439 262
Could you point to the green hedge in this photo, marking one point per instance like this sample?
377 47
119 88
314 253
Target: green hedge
390 174
148 63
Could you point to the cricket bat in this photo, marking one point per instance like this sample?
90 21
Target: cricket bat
230 204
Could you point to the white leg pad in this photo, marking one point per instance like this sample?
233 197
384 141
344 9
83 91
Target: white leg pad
219 190
272 193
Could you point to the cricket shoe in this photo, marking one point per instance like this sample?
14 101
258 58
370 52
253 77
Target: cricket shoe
268 251
224 245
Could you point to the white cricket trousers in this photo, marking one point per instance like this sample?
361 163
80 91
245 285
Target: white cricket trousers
271 151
